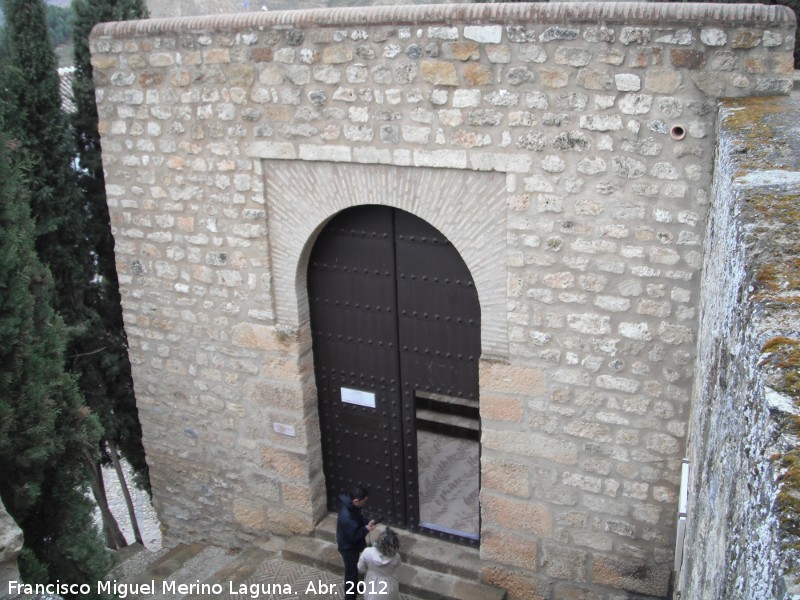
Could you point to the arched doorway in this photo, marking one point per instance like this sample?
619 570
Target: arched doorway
395 322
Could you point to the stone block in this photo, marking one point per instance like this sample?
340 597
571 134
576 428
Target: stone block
509 549
469 139
102 62
559 33
283 521
569 376
504 476
519 585
744 39
553 164
564 562
261 55
161 59
438 72
712 36
651 580
662 81
265 337
462 51
500 408
498 54
635 104
568 591
663 443
476 75
506 163
612 303
484 34
675 334
589 323
291 465
456 159
443 33
595 80
688 59
298 496
334 55
275 150
553 77
217 56
533 444
574 57
601 122
250 514
628 82
711 84
622 384
511 378
597 432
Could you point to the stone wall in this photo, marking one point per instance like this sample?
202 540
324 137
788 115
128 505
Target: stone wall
591 129
741 422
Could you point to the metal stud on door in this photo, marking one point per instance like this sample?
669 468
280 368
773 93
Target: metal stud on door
396 337
439 335
352 299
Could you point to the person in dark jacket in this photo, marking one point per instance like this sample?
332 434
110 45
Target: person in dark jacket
352 528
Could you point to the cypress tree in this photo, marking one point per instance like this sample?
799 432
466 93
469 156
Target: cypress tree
45 428
73 235
105 375
48 499
35 118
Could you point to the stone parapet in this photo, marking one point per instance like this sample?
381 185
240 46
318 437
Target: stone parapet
743 447
623 13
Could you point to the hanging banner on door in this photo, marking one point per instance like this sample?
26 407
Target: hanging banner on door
358 397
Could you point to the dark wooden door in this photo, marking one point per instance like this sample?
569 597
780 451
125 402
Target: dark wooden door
395 323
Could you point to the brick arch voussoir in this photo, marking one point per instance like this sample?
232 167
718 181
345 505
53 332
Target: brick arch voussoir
468 207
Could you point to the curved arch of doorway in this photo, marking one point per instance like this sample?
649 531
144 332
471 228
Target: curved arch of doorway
468 207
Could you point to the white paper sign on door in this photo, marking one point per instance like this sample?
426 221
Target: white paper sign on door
358 397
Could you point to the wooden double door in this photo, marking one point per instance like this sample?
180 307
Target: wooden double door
395 322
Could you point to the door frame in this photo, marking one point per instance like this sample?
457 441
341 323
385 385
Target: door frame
301 196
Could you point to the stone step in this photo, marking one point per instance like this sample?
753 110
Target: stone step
422 551
144 572
139 565
243 566
414 579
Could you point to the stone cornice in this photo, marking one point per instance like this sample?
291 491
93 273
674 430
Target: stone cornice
611 13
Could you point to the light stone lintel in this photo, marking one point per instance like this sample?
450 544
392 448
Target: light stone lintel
504 163
281 150
367 155
452 159
331 153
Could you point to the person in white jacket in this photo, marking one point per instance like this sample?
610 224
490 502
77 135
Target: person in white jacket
380 561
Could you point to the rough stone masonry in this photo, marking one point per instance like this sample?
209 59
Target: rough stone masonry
566 150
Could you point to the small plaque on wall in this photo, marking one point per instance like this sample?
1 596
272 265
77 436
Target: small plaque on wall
284 429
351 396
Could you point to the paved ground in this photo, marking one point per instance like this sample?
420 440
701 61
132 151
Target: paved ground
210 572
